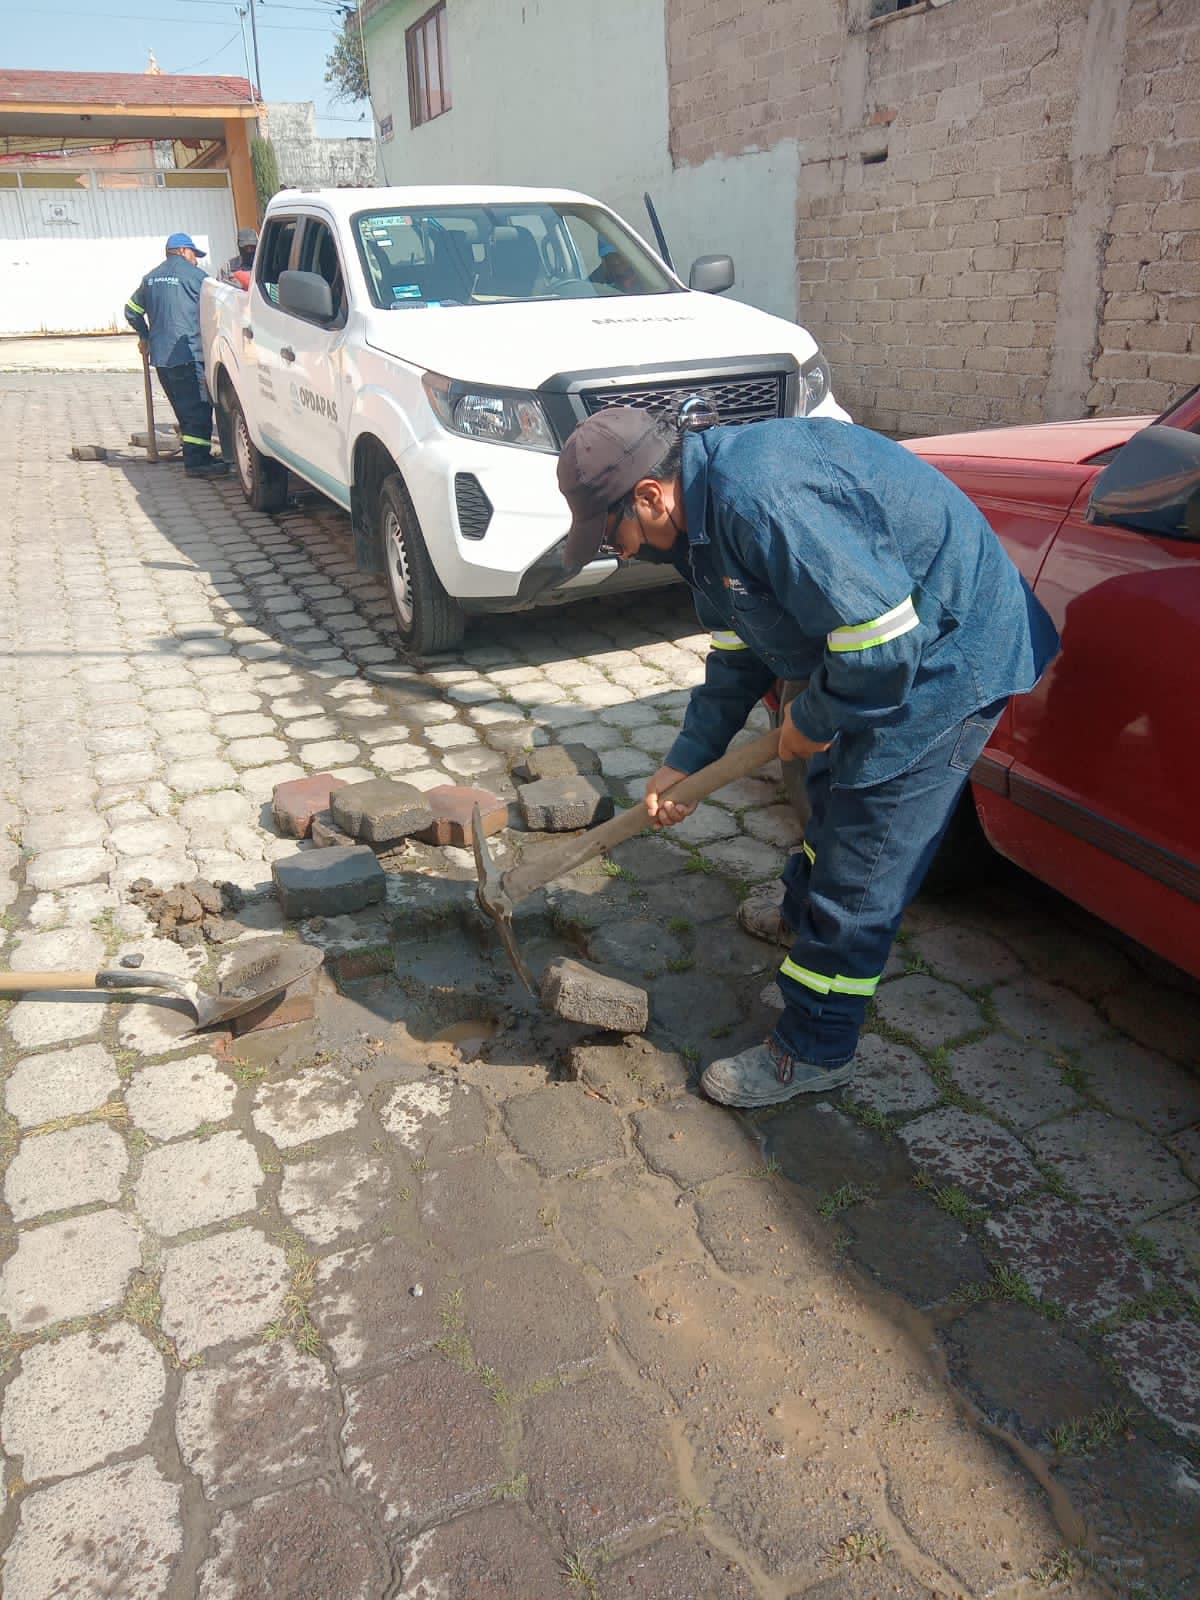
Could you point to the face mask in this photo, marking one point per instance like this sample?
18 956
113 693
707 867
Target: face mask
650 553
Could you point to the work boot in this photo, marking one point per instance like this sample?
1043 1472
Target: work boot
761 915
765 1075
214 467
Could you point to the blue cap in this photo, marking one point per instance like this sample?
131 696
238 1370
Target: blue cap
607 249
184 241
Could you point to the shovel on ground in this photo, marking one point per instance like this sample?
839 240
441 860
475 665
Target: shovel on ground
263 970
499 893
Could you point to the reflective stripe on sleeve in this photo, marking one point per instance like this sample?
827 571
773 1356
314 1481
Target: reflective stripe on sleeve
824 985
809 852
727 641
862 635
133 306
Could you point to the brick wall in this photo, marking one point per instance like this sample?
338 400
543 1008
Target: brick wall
997 217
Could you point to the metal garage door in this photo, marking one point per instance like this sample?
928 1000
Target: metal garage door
73 245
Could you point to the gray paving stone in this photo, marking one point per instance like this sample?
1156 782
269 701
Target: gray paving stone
563 1129
912 1247
693 1142
62 830
265 1413
750 859
331 1197
500 1541
473 1207
630 1073
965 955
891 1078
60 868
197 1182
562 804
434 1117
59 1171
1176 1240
229 1286
544 1321
310 1542
972 1152
575 992
1186 1146
309 1106
60 1083
557 761
174 1097
380 811
68 1269
928 1011
1119 1168
1043 1013
1139 1083
423 1439
117 1530
366 1305
682 1567
329 882
1021 1083
193 777
705 826
621 1482
1160 1359
1070 1256
81 1399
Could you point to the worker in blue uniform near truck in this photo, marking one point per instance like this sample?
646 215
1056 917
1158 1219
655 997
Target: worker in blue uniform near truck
164 311
823 553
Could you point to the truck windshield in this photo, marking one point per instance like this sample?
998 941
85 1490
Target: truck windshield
496 254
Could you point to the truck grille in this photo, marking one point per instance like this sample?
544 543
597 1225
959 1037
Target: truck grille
474 507
736 400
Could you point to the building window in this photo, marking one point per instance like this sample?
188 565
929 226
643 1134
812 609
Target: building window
428 66
888 8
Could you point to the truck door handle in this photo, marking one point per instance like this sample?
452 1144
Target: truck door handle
287 353
247 335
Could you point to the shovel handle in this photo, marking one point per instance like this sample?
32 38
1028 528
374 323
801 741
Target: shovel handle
551 861
123 978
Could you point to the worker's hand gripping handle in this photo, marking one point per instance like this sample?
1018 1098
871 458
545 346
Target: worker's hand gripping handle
552 861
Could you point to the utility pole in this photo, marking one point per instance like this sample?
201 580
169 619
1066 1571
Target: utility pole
254 36
246 53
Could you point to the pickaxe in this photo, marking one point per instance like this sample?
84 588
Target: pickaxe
499 893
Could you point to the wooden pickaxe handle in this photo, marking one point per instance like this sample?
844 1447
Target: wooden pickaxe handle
551 861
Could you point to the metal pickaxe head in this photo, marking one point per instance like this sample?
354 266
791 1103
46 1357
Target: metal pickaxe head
493 898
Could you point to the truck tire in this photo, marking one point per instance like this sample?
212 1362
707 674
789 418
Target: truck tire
264 481
430 622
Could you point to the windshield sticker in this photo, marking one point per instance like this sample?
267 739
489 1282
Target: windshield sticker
391 222
406 291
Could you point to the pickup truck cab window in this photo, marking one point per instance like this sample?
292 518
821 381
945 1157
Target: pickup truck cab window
319 253
494 254
275 254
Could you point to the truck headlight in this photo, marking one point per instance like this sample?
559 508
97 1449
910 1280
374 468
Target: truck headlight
815 383
500 416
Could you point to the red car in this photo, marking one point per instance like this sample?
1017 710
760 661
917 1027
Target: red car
1092 782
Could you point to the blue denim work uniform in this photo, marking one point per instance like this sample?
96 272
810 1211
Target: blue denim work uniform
165 310
821 551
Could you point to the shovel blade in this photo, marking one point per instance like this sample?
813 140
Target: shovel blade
260 971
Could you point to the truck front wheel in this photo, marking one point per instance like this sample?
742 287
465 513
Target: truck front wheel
264 481
429 621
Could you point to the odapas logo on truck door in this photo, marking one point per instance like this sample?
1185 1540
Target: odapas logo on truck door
309 400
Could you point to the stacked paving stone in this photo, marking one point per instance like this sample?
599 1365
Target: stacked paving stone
387 1316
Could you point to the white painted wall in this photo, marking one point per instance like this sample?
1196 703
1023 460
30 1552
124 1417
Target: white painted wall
574 94
71 257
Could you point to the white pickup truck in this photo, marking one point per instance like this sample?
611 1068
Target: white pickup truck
420 355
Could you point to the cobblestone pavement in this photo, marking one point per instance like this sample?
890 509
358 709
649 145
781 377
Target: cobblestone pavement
433 1297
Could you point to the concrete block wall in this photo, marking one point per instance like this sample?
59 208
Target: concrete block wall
996 216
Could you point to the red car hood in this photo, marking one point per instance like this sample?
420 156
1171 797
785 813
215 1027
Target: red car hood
1066 442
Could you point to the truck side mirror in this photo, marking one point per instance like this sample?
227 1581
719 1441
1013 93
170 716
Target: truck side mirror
1152 485
306 294
711 274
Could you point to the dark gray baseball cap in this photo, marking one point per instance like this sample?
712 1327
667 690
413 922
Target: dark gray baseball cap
600 463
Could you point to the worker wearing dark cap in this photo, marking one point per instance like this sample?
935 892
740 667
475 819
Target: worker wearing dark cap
247 242
819 552
164 311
